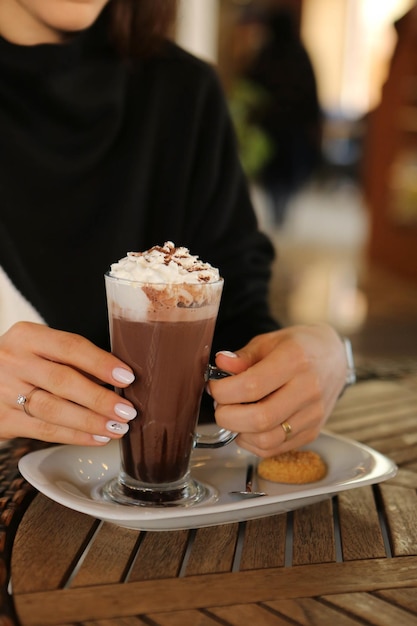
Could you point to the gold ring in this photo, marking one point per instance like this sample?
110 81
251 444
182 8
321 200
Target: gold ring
286 427
26 401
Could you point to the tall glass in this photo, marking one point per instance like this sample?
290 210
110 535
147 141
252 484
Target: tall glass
164 332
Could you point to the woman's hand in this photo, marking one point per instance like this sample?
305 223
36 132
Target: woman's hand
62 375
287 380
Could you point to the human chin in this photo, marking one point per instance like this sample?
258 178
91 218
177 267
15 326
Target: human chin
74 15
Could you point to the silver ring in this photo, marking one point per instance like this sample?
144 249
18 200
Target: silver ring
286 427
23 401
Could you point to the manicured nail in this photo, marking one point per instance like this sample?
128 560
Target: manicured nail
227 353
122 375
214 404
117 427
101 439
125 411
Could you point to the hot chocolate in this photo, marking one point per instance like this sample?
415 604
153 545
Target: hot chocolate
163 307
169 361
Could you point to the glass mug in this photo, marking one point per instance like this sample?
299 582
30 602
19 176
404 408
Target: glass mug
168 347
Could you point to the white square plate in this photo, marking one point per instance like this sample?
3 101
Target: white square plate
74 475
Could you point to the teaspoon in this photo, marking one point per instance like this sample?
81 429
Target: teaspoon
248 492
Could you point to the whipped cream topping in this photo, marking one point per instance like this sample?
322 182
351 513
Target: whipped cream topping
164 264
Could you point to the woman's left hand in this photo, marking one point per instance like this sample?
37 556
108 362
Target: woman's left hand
288 379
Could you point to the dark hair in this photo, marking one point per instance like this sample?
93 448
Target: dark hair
138 26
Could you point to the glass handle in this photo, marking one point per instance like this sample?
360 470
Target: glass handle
222 437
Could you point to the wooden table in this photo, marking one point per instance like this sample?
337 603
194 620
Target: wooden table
348 560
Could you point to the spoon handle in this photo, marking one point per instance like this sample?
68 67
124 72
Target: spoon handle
249 477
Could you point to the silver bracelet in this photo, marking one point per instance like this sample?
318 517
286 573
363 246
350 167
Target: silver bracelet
351 370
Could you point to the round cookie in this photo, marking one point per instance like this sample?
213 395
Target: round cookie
295 466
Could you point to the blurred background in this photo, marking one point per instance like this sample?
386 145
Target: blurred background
323 95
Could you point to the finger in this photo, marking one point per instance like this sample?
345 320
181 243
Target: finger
18 424
25 364
231 362
55 411
73 350
67 415
297 402
305 428
255 447
271 410
259 370
62 381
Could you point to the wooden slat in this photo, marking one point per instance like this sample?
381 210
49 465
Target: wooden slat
410 382
61 536
264 543
406 454
376 416
313 534
213 550
308 611
379 435
108 557
239 614
160 555
372 393
205 591
183 618
372 609
119 621
359 525
405 477
403 436
405 598
400 505
372 404
383 431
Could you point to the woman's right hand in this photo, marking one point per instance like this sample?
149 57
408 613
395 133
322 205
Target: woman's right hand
65 375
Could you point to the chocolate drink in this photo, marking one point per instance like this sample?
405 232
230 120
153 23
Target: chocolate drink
169 360
163 305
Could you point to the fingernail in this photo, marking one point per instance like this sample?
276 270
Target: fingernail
122 375
208 389
101 439
125 411
215 404
117 427
227 353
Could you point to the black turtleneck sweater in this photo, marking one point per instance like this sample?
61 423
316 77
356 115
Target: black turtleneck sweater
99 157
